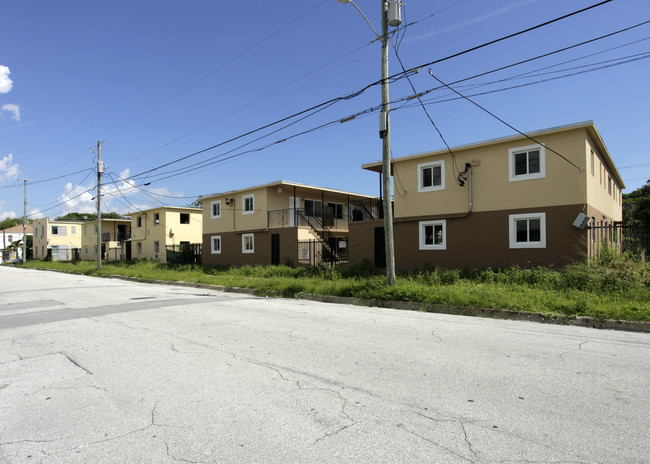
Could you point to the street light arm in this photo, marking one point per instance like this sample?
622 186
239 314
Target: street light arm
345 2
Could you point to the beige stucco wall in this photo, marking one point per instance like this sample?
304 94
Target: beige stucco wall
267 199
492 189
89 239
168 231
43 238
598 179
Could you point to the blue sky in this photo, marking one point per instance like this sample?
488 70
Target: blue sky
158 81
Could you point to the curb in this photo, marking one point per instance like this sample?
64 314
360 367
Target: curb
579 321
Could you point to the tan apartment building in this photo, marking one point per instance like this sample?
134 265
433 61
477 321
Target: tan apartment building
156 229
518 203
114 232
281 222
63 238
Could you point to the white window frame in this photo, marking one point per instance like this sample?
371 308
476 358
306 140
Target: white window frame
422 235
431 164
512 220
218 205
215 239
243 200
536 175
244 238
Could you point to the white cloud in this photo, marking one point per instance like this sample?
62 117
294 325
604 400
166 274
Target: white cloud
36 214
77 199
6 84
13 109
6 214
471 22
8 169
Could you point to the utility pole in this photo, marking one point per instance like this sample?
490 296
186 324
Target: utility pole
100 170
25 220
386 164
391 14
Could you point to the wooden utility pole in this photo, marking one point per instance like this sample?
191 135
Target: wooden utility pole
386 164
100 170
25 220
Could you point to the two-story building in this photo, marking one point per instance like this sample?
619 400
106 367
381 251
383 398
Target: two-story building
114 232
63 238
9 237
156 230
281 222
510 201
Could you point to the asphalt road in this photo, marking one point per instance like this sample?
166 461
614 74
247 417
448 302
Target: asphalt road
109 371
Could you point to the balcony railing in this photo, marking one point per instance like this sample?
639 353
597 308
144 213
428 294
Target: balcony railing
300 218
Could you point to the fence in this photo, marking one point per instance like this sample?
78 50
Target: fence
316 252
185 253
633 238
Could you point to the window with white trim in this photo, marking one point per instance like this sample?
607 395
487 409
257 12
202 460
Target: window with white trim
248 243
156 219
138 221
431 176
249 204
433 235
527 230
527 163
215 244
215 209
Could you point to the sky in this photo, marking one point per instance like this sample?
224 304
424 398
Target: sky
200 97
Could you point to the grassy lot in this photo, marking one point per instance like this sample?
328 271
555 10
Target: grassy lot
615 287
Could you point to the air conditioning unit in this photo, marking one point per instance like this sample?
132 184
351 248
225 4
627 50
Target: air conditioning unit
581 221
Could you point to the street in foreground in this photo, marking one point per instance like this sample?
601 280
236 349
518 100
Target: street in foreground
107 371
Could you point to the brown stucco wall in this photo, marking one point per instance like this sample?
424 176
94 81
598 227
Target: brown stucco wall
477 241
231 248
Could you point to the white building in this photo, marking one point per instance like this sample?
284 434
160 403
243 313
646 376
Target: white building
9 236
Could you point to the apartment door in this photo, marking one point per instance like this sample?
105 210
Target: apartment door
380 247
275 249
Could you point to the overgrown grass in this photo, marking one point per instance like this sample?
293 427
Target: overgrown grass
614 286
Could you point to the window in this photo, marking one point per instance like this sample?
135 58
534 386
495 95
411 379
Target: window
249 204
336 210
85 250
95 249
527 163
215 244
73 230
593 162
138 248
215 209
431 176
85 230
59 230
156 218
156 247
138 221
609 184
55 230
313 208
433 235
55 252
95 229
185 218
528 230
248 243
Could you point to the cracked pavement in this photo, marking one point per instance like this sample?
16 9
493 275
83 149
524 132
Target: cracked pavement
108 371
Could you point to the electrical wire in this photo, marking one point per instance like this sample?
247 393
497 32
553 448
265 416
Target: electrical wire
504 122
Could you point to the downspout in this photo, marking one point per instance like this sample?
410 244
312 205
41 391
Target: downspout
469 179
